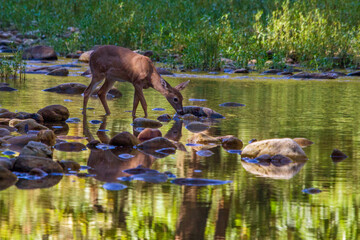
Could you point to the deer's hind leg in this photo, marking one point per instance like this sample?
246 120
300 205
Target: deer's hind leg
95 81
105 88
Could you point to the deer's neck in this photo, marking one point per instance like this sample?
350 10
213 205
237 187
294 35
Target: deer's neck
156 82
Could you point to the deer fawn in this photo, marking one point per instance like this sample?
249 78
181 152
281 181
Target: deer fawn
114 63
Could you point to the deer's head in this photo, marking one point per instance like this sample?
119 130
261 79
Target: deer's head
174 96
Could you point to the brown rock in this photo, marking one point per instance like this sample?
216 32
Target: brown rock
70 147
47 137
7 178
231 142
39 53
24 126
27 163
156 143
316 75
22 140
54 113
68 88
36 149
196 127
146 123
7 115
4 132
59 72
124 139
69 165
6 163
284 146
241 70
149 133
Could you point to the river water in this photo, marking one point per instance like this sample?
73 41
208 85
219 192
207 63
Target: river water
257 204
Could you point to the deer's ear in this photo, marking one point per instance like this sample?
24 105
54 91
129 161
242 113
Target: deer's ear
164 84
182 85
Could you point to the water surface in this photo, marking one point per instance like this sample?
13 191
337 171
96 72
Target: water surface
255 205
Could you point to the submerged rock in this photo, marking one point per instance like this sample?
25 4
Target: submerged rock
36 149
124 139
156 143
316 75
146 123
205 153
68 165
54 113
70 147
139 170
39 53
283 146
338 156
201 112
43 182
196 127
311 191
4 132
7 178
198 182
68 88
232 104
241 70
357 73
23 126
59 72
149 133
47 137
231 142
280 160
151 177
27 163
164 118
114 186
7 89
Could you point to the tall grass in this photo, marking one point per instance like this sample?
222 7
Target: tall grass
12 67
318 34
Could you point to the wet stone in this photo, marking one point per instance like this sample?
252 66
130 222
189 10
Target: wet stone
126 156
303 142
7 178
70 147
151 177
146 123
198 182
139 170
164 118
149 133
280 160
311 191
232 104
114 186
124 139
7 89
196 127
205 153
338 156
68 165
73 120
95 121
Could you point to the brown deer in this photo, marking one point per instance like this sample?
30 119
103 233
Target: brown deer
114 63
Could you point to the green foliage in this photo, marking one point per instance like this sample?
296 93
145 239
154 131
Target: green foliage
319 34
12 66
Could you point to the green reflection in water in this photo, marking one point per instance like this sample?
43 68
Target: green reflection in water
252 207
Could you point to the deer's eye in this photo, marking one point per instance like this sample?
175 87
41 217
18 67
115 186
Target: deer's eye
176 100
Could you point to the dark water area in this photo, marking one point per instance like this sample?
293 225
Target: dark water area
258 203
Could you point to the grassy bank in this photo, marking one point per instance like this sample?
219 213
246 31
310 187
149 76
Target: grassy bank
319 34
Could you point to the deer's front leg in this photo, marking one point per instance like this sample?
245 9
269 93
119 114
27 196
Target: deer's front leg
140 95
135 104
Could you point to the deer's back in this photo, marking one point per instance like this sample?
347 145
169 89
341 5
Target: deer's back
120 61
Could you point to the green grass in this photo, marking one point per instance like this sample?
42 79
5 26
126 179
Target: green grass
319 34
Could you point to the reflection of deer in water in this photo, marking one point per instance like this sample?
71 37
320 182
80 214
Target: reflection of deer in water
106 164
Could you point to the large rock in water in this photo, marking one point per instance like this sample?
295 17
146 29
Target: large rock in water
24 126
36 149
124 139
68 88
149 133
283 146
201 112
7 178
27 163
54 113
146 123
40 53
